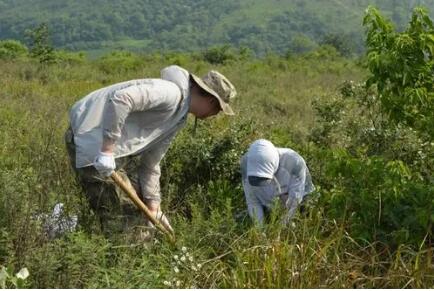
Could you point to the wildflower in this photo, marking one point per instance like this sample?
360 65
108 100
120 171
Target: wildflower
184 249
167 283
194 268
183 259
199 266
190 258
23 274
176 257
176 270
178 283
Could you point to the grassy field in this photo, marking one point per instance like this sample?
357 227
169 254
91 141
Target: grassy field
343 242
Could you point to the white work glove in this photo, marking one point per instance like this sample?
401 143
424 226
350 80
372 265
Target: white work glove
105 164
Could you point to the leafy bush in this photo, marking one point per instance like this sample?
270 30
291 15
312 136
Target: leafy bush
375 175
402 68
219 55
12 49
119 62
65 57
215 157
377 200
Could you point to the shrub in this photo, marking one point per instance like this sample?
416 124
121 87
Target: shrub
198 163
71 58
220 55
12 49
119 62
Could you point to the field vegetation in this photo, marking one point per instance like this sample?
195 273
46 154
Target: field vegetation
371 159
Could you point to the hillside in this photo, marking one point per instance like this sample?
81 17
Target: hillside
186 25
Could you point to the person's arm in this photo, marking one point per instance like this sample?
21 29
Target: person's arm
296 169
254 206
123 102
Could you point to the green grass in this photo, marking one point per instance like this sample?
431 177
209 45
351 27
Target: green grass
207 210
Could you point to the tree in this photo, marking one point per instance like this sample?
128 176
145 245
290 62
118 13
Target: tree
40 47
342 43
402 68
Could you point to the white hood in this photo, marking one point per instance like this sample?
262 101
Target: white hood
262 159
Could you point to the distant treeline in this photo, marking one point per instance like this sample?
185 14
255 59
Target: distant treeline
278 26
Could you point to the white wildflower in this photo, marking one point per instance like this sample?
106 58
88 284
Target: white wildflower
199 266
183 259
176 257
167 283
184 249
194 268
178 283
23 274
190 258
176 269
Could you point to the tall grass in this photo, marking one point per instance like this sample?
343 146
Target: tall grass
217 247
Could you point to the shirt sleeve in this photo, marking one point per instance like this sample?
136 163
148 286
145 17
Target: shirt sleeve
254 206
297 185
125 101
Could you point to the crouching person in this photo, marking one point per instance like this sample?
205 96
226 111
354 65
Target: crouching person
270 173
128 127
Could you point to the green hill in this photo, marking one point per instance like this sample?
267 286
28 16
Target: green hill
186 25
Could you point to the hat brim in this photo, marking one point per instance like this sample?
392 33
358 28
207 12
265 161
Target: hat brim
223 105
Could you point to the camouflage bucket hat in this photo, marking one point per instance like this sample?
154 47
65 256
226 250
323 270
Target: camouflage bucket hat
219 86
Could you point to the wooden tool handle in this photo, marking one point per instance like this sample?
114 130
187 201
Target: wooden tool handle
139 203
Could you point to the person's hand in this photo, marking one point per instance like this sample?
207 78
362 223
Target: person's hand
159 215
105 163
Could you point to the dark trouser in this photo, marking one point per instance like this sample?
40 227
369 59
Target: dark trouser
113 207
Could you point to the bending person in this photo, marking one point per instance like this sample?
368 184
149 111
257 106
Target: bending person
270 173
128 127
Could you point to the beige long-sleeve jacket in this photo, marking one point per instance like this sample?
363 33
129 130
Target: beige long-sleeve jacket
140 115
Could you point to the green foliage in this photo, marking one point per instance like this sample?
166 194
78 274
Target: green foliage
381 176
189 25
40 47
382 200
219 55
402 68
119 62
210 155
12 49
65 57
374 178
341 43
